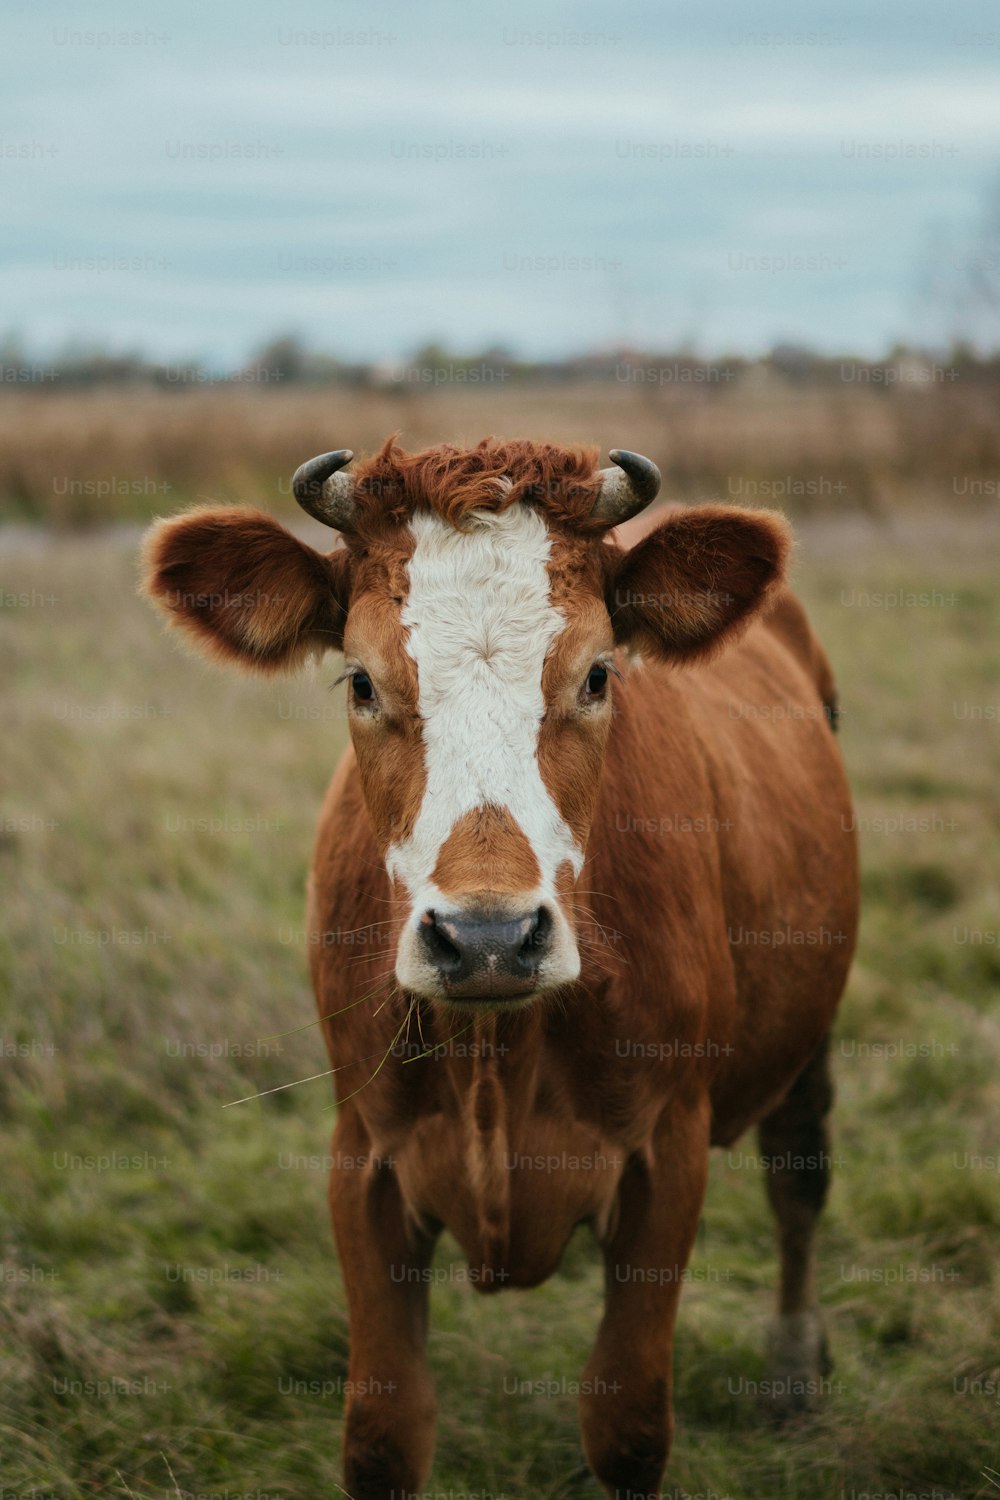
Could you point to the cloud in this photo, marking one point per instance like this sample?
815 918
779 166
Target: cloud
439 170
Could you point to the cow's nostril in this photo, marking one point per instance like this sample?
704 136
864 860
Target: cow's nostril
443 953
536 939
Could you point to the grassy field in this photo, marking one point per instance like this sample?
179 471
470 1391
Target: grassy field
172 1315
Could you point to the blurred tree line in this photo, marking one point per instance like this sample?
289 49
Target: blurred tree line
286 360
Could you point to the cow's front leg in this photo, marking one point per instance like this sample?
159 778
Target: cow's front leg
626 1415
390 1409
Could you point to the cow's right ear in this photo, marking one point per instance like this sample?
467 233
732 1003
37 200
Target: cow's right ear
245 590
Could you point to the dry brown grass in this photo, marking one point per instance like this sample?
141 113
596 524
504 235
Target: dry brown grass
106 454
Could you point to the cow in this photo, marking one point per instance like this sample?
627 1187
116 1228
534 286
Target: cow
594 822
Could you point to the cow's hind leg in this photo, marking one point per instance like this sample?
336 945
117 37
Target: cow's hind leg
794 1140
389 1423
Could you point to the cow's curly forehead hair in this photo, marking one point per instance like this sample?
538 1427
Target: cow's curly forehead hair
562 483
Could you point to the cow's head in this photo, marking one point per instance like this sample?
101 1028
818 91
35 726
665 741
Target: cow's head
483 609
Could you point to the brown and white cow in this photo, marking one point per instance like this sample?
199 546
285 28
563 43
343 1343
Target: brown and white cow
595 809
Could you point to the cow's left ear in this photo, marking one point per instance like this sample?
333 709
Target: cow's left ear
244 589
697 581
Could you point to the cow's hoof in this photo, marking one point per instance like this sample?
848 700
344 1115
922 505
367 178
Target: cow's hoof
798 1362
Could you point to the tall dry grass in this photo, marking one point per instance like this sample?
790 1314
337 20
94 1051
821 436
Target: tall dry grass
102 454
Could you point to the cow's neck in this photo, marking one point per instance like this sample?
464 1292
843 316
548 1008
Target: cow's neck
485 1108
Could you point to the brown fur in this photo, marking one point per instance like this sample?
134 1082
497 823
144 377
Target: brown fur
244 588
693 585
392 484
486 851
487 1144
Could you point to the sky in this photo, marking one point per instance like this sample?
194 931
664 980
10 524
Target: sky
187 179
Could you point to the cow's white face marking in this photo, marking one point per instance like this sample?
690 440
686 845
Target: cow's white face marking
480 623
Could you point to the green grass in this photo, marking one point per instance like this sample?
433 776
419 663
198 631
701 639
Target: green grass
175 1320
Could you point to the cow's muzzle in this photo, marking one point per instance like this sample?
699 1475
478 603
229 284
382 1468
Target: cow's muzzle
479 955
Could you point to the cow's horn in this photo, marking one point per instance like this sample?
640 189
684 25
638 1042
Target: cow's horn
626 489
323 492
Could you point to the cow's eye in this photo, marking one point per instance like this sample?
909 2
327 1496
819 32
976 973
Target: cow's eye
361 683
597 680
